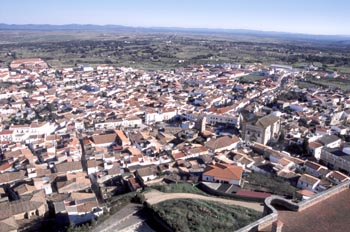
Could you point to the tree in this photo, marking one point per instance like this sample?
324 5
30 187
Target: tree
305 146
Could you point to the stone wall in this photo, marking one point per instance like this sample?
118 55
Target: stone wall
323 195
262 222
272 214
215 192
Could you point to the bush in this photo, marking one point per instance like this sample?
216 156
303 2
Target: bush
196 215
179 188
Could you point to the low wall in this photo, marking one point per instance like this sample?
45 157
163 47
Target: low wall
267 220
214 192
272 214
323 195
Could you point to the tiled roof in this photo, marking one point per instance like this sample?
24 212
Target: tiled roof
102 139
308 179
225 171
11 176
69 166
221 142
267 120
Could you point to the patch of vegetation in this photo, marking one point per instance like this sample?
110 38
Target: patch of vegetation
251 78
274 185
194 215
153 51
179 188
343 84
306 85
292 95
4 84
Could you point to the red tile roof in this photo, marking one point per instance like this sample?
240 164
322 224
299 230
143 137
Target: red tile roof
224 171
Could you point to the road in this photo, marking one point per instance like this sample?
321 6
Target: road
155 197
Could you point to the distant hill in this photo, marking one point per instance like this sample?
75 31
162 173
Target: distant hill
91 27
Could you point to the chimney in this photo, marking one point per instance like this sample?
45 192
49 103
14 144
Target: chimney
277 226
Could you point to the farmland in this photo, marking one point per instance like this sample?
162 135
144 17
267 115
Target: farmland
167 50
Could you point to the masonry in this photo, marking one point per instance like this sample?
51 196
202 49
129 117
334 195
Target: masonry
274 204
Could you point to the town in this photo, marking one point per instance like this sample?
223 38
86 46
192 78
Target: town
75 140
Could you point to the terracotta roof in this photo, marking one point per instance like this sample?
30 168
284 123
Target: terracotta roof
11 176
248 193
147 171
69 166
313 165
267 120
225 171
6 132
315 145
121 135
6 166
221 142
79 196
197 150
102 139
24 188
306 192
178 155
18 207
338 175
87 206
308 179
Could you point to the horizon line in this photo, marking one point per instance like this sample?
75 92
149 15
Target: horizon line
178 27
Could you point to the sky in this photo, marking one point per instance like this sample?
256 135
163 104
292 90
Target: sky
329 17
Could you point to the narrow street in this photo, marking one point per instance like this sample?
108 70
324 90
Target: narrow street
94 185
83 154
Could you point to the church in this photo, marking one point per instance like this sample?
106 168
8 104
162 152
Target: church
259 129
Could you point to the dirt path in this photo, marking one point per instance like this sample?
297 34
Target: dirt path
155 197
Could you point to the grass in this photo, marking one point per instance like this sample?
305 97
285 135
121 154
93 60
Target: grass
304 84
68 48
343 69
5 84
343 84
251 78
204 216
179 188
273 185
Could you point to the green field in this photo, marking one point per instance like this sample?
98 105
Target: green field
274 185
343 84
156 50
203 216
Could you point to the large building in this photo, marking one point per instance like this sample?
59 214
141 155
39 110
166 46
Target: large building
34 63
223 173
337 158
261 130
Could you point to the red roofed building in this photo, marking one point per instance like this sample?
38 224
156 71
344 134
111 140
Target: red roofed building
247 193
179 155
315 148
223 173
28 63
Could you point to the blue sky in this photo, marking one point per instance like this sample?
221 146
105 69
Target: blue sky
303 16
